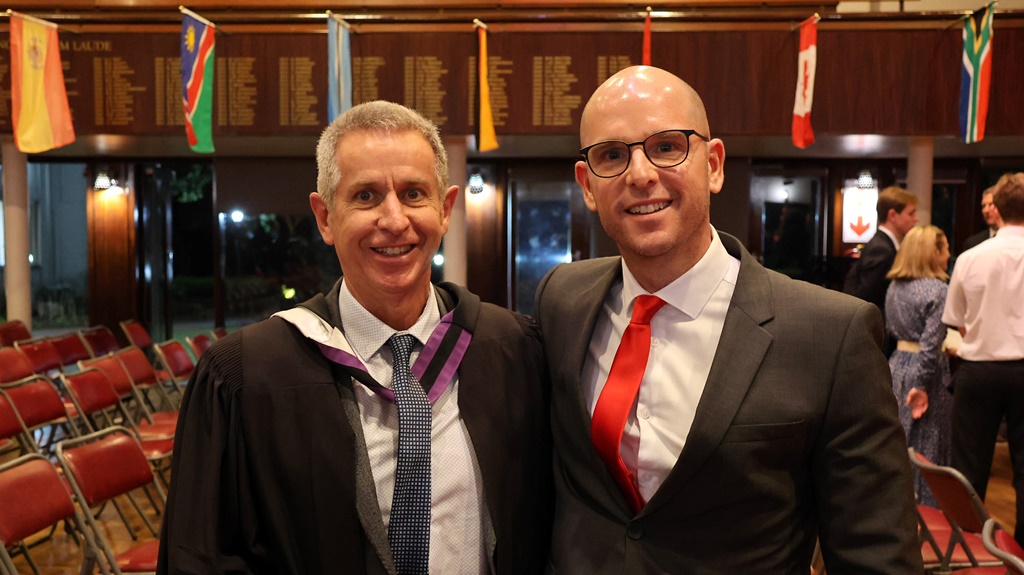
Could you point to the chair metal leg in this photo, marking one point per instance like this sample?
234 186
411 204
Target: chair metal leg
145 519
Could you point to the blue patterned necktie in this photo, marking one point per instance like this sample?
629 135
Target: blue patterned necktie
409 527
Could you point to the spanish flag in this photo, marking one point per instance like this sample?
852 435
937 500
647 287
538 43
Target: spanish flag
42 118
486 137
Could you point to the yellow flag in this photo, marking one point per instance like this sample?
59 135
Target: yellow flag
486 138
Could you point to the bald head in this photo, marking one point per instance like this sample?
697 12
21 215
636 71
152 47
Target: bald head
658 92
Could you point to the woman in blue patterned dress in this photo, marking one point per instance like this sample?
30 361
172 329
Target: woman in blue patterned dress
920 370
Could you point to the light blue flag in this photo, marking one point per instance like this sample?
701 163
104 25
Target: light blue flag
339 66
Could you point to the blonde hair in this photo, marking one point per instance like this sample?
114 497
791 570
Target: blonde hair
916 257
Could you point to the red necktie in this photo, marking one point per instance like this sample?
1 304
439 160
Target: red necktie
620 391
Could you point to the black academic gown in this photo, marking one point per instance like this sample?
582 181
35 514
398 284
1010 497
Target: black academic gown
269 470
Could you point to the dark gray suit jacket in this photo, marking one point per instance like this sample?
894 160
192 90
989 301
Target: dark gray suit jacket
795 436
976 239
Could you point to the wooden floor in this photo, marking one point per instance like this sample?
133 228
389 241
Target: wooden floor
60 556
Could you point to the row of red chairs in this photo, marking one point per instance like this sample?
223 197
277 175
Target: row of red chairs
92 413
97 340
98 468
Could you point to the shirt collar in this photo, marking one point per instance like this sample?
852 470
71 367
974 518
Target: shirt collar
690 292
367 334
891 234
1010 230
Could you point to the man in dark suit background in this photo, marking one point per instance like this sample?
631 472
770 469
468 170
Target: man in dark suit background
304 445
990 213
897 213
761 414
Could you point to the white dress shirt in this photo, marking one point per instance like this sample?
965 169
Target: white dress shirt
458 516
684 337
986 297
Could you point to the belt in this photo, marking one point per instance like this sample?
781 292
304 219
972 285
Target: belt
909 346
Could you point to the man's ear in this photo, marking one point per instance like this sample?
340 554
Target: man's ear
447 205
583 179
716 165
322 216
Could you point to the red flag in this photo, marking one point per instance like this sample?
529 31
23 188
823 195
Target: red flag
803 134
647 40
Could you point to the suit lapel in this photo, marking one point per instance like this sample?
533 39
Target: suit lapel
741 349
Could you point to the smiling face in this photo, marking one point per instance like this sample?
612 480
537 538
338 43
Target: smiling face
387 219
658 217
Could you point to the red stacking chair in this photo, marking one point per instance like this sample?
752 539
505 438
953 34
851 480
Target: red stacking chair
142 374
999 543
964 512
13 331
100 340
71 348
100 405
43 356
136 333
104 466
126 389
219 332
95 399
13 365
173 359
199 344
33 497
41 409
11 425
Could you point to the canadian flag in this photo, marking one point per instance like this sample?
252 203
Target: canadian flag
803 134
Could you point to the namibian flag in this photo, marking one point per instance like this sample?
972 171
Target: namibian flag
976 76
42 118
339 67
197 79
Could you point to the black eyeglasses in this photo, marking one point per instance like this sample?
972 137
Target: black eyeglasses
663 149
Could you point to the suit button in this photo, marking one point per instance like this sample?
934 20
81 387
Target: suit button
635 531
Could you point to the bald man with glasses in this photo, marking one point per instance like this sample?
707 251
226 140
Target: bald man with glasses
709 415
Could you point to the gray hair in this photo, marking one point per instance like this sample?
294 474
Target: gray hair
376 115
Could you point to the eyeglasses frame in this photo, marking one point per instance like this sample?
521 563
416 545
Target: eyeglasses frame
629 149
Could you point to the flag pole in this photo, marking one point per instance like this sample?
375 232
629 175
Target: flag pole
185 10
39 21
340 20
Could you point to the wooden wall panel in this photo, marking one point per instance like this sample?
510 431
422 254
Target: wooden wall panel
869 81
113 274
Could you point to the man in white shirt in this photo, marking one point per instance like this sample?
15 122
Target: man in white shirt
986 303
709 415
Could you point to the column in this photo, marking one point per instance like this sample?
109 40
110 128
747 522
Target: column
18 272
920 162
456 238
